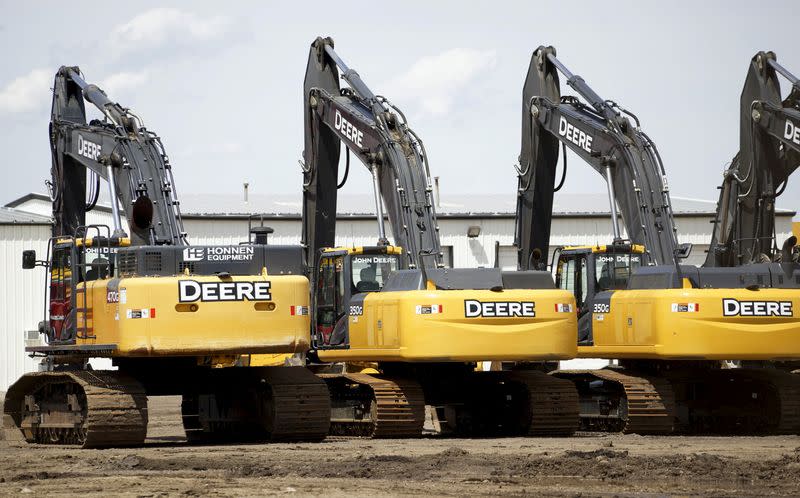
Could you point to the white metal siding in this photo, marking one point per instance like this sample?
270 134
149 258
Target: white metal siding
507 257
214 231
21 297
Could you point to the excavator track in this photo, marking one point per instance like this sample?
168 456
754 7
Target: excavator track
376 407
513 403
258 404
742 401
649 402
553 404
301 405
788 385
90 409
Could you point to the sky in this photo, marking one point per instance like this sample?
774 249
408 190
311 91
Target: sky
221 83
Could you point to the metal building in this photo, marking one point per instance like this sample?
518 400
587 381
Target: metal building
475 230
21 292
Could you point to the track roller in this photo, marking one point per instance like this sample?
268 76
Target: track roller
379 407
91 409
623 402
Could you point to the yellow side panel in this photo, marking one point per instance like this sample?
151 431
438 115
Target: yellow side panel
691 324
432 325
146 318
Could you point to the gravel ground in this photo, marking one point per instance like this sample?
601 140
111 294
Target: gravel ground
584 465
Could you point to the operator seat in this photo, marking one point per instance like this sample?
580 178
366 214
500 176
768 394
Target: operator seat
98 269
368 282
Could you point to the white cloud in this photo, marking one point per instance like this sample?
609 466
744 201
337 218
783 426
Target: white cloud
123 81
434 80
165 25
28 92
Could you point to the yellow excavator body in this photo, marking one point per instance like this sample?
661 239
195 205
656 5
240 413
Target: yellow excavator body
700 324
432 325
148 316
450 325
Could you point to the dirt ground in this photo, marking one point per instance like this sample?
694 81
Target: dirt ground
585 465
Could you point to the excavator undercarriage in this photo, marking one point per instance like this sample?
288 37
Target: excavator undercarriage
85 408
95 409
257 404
687 399
466 403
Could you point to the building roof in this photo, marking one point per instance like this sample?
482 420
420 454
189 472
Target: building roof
11 216
487 205
450 205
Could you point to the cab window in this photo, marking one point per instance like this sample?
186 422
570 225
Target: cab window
582 284
369 272
572 276
330 291
99 263
61 273
566 274
612 271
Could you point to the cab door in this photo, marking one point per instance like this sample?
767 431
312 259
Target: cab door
330 304
573 275
61 304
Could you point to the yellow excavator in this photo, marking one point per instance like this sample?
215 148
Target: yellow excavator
170 315
669 325
408 331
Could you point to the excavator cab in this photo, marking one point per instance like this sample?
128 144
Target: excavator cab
74 264
344 277
592 273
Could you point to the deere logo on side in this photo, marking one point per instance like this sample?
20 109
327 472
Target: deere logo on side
89 149
348 129
190 291
792 132
575 134
733 307
503 309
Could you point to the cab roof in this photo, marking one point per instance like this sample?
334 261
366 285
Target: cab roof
605 248
362 250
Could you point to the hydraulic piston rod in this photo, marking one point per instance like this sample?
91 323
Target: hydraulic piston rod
580 86
612 201
382 240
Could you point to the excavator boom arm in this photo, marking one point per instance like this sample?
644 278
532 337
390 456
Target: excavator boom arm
608 142
118 149
769 152
378 135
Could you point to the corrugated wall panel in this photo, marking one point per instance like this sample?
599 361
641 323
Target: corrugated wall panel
21 297
219 232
